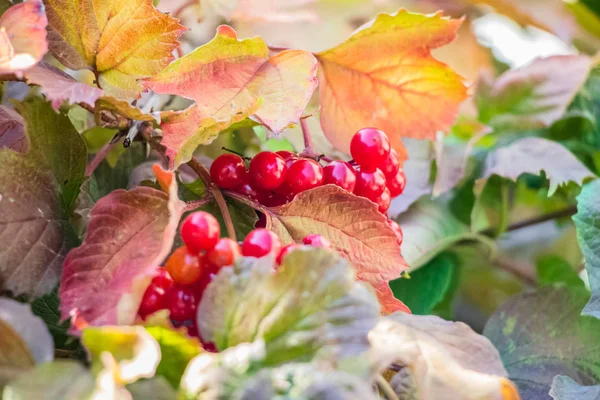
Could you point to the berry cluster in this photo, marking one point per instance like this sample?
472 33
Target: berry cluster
179 286
273 179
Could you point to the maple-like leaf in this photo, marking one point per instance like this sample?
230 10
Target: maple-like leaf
121 40
60 87
355 228
230 79
128 235
22 36
12 130
384 76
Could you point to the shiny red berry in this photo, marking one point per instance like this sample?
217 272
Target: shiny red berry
200 231
315 240
369 147
228 171
184 267
286 154
397 230
246 190
369 184
267 171
384 200
154 300
224 253
162 278
341 174
182 303
285 251
303 175
397 184
391 165
271 199
261 242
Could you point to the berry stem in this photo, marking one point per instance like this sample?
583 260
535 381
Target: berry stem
308 144
236 153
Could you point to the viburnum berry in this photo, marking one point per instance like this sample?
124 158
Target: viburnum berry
224 253
303 175
261 242
285 154
384 200
315 240
228 171
397 230
341 174
271 199
391 165
267 170
200 231
248 191
285 251
397 184
182 302
162 278
185 268
369 184
154 300
369 147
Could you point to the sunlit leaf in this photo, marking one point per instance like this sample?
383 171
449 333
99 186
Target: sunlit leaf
355 228
38 190
122 108
128 236
410 93
121 40
554 270
312 307
541 334
12 130
565 388
230 79
22 36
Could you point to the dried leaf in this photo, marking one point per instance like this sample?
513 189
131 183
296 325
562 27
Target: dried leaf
411 94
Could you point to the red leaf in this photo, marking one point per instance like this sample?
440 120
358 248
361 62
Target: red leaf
128 236
389 303
12 130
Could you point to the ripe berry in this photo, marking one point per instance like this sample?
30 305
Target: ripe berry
397 230
182 303
370 147
200 231
285 251
267 170
369 184
154 300
304 175
228 171
246 190
185 268
384 200
315 240
286 154
262 221
224 253
397 184
341 174
271 199
261 242
162 278
391 165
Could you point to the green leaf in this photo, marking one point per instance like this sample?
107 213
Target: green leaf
312 307
565 388
554 270
587 222
426 286
46 308
541 334
97 137
38 190
176 349
491 205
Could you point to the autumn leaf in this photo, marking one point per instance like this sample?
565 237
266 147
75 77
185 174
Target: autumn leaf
122 108
60 87
230 79
128 236
384 76
22 36
121 41
12 130
356 230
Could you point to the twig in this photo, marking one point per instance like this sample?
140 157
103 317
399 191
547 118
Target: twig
385 387
100 155
308 145
566 212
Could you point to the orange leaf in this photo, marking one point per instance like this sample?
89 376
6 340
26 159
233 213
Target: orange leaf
122 40
231 79
22 36
384 76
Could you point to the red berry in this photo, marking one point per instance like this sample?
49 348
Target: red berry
162 278
315 240
182 303
304 175
370 147
397 184
286 154
267 170
224 253
397 230
369 184
246 190
154 300
341 174
384 200
192 330
271 199
228 171
200 231
262 221
391 165
285 251
185 268
261 242
210 347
